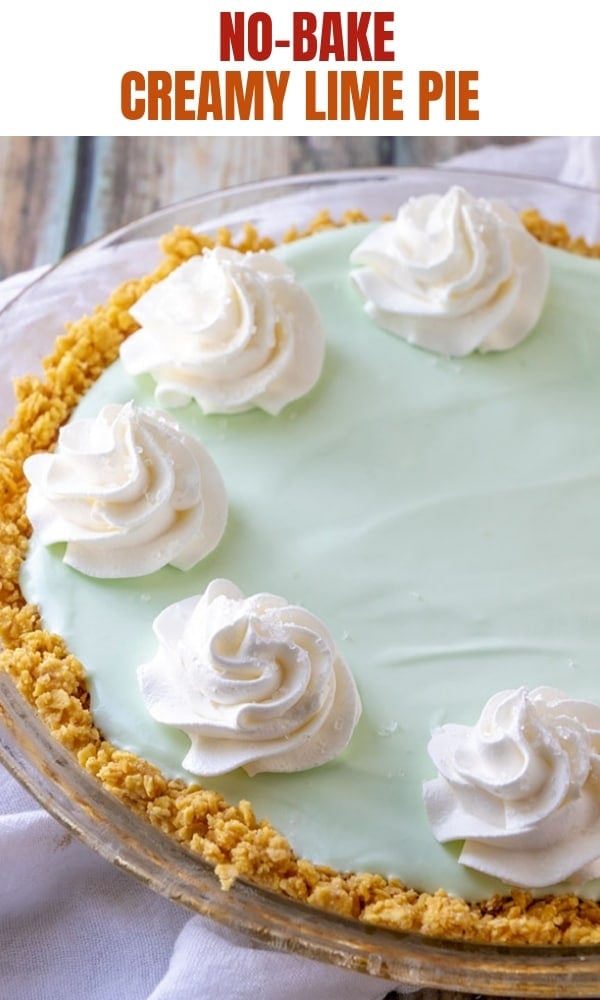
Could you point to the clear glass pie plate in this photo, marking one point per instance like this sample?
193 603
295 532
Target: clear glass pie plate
28 327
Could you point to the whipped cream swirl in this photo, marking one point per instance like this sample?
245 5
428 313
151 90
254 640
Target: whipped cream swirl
129 492
453 274
522 788
254 682
230 330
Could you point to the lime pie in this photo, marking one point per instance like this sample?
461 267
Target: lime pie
316 542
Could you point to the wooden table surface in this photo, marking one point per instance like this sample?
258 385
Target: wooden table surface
57 193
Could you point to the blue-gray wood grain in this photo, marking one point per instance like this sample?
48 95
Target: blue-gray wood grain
59 192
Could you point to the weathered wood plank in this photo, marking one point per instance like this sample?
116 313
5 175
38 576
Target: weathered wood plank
59 192
132 176
36 179
426 150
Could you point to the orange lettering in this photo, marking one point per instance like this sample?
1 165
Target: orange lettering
466 94
133 108
183 93
312 115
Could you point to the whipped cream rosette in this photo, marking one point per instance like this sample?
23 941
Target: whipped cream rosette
254 682
129 492
230 330
453 273
522 788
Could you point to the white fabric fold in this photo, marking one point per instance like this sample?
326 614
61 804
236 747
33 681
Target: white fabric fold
573 160
237 970
73 925
65 914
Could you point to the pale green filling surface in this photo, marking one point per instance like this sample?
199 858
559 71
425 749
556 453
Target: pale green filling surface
441 516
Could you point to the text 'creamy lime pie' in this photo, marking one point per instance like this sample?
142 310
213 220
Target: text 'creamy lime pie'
308 533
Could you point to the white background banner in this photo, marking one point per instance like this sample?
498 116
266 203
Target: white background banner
143 67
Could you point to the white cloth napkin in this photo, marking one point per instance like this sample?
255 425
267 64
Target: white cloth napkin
73 925
574 160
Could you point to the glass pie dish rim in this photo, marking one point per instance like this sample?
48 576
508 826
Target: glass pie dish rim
74 797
